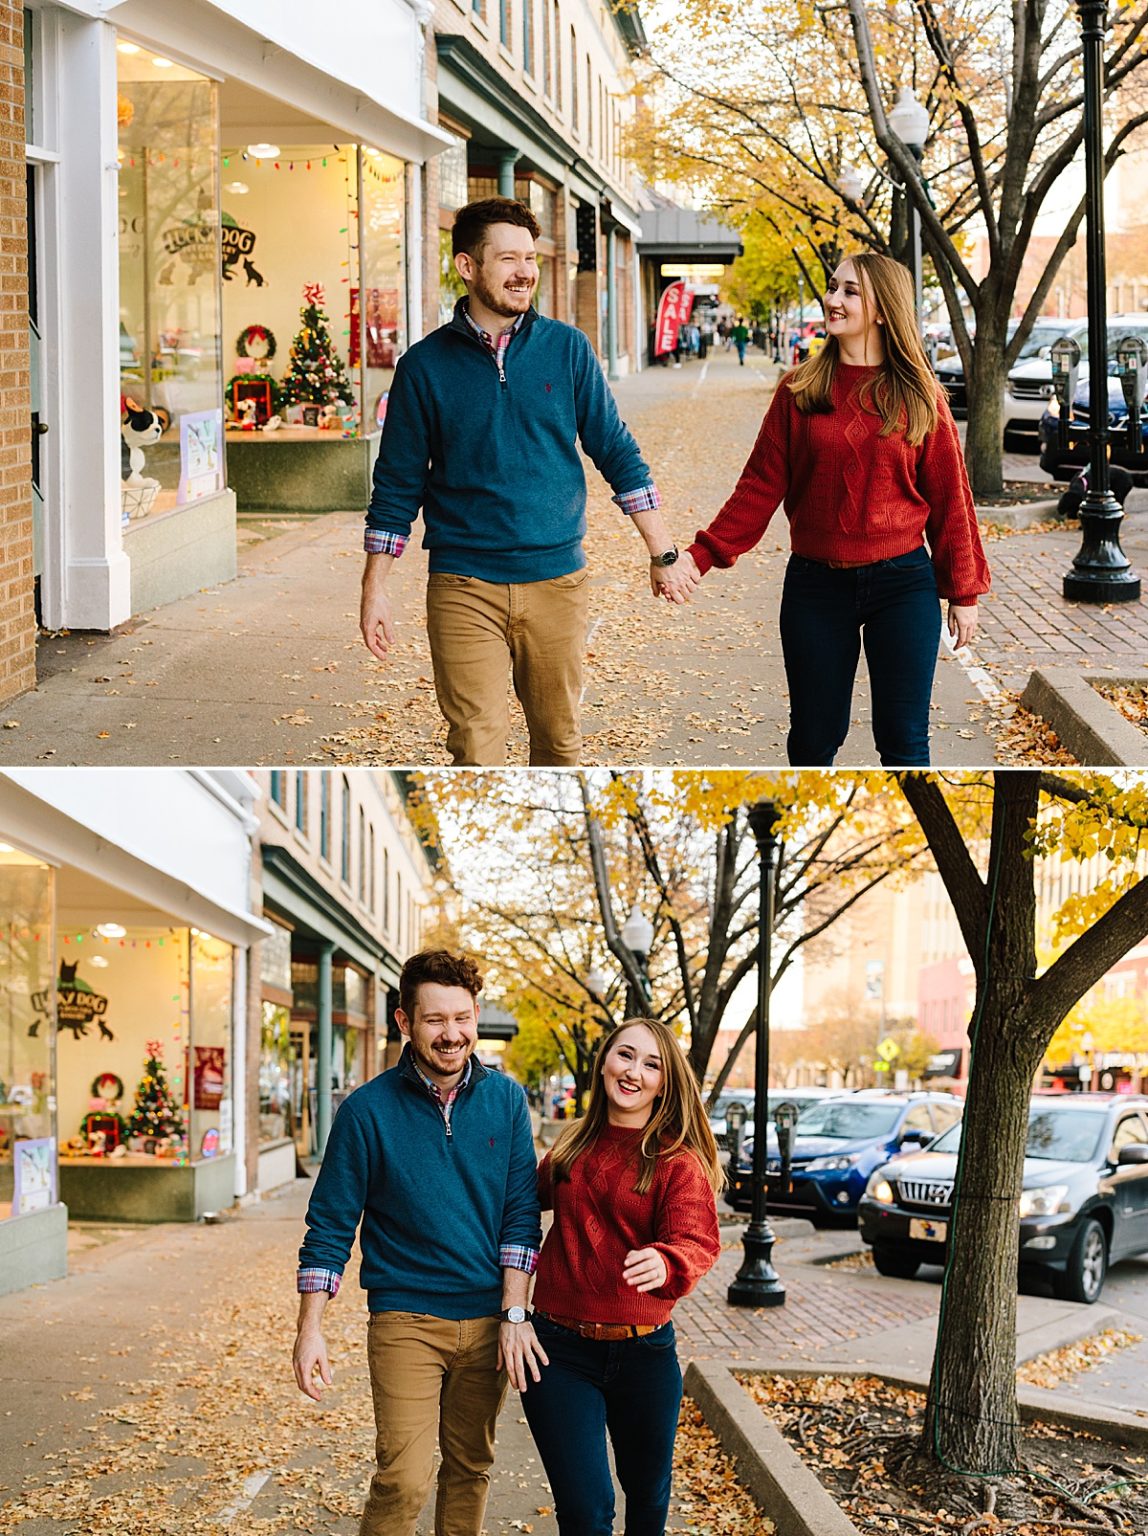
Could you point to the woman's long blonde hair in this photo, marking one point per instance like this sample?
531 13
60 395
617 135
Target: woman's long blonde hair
678 1123
904 390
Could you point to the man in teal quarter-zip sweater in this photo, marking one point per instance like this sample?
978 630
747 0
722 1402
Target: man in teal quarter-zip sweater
483 422
436 1159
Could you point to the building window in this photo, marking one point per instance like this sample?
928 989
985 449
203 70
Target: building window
557 18
573 79
301 802
399 911
345 833
528 36
504 22
362 854
279 788
325 816
589 104
547 55
386 890
372 867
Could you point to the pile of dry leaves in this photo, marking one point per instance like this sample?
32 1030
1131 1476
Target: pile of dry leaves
1131 699
862 1438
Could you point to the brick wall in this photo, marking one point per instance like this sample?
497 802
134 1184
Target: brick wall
17 621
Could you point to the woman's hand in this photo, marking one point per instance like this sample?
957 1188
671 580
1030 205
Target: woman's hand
962 624
675 582
645 1269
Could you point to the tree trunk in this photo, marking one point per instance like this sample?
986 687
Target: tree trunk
983 439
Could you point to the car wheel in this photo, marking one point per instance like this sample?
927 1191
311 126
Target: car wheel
1083 1280
897 1265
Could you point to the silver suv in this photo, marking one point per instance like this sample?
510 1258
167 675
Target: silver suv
1029 387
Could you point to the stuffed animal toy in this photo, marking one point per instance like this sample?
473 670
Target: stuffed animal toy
139 428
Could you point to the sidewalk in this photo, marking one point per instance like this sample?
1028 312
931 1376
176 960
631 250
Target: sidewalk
270 668
151 1389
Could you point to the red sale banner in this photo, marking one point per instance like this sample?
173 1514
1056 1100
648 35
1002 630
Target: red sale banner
673 311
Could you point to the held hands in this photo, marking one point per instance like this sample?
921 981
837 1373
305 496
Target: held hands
311 1356
645 1269
518 1352
962 624
675 582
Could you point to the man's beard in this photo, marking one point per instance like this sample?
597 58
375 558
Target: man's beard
496 302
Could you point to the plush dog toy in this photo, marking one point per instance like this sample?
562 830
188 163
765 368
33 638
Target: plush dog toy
139 428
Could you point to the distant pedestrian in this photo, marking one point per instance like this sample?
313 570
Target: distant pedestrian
632 1187
436 1159
740 337
860 444
483 426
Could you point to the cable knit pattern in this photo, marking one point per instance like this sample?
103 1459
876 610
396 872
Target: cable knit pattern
852 495
598 1219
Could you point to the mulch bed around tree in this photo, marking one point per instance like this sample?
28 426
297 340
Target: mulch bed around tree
861 1438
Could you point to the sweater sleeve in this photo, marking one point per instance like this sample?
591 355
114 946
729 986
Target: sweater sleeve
687 1226
404 456
758 493
604 435
339 1195
521 1222
952 531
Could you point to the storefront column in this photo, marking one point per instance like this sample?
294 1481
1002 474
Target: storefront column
507 160
95 592
323 1051
611 304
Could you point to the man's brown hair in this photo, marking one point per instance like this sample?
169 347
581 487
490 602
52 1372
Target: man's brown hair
472 222
440 966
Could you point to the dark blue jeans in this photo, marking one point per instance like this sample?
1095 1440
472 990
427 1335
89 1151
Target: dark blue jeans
631 1390
825 614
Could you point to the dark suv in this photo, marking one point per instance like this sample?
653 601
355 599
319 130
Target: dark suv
836 1146
1084 1202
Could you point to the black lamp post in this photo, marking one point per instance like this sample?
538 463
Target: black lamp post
909 120
757 1283
638 935
1101 571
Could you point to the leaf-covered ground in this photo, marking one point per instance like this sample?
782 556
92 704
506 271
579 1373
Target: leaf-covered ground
862 1438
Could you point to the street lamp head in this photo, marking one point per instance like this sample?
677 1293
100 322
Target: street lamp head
596 982
763 818
638 932
851 184
909 120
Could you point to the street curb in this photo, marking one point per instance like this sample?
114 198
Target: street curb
1023 515
1091 728
787 1492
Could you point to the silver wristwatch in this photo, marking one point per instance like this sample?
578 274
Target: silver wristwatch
666 559
515 1315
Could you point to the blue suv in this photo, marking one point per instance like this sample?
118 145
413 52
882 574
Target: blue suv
837 1145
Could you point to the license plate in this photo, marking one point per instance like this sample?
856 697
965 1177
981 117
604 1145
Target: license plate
929 1231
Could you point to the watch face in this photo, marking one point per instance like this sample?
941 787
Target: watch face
668 558
515 1314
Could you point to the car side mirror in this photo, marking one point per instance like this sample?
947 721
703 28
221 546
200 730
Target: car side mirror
1134 1154
920 1137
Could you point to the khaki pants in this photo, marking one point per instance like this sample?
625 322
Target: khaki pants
475 628
428 1374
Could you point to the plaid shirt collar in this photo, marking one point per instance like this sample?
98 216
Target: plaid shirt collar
504 338
448 1098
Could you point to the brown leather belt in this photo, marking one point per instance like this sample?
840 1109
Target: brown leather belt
844 565
605 1332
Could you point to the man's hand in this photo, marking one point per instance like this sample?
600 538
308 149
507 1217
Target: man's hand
518 1352
311 1356
675 582
375 622
962 624
645 1269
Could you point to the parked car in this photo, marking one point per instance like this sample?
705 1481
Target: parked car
950 370
802 1097
1084 1200
1029 390
837 1145
1064 463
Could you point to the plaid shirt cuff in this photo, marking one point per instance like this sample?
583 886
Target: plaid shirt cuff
514 1256
644 499
376 541
311 1280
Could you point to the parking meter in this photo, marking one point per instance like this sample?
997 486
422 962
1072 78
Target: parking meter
1065 356
1132 366
785 1119
735 1117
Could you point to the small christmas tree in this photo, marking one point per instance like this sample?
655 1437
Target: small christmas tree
315 373
156 1112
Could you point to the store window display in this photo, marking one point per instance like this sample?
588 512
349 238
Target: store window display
28 1180
170 304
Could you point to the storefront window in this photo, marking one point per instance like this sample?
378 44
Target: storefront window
170 309
384 324
211 1046
277 1067
275 958
28 1179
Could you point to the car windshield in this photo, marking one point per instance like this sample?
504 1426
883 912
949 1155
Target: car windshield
848 1122
1040 336
1060 1133
724 1100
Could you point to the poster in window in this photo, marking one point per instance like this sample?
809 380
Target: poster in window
382 326
209 1060
34 1167
200 458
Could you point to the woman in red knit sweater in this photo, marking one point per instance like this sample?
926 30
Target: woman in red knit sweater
632 1186
860 444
